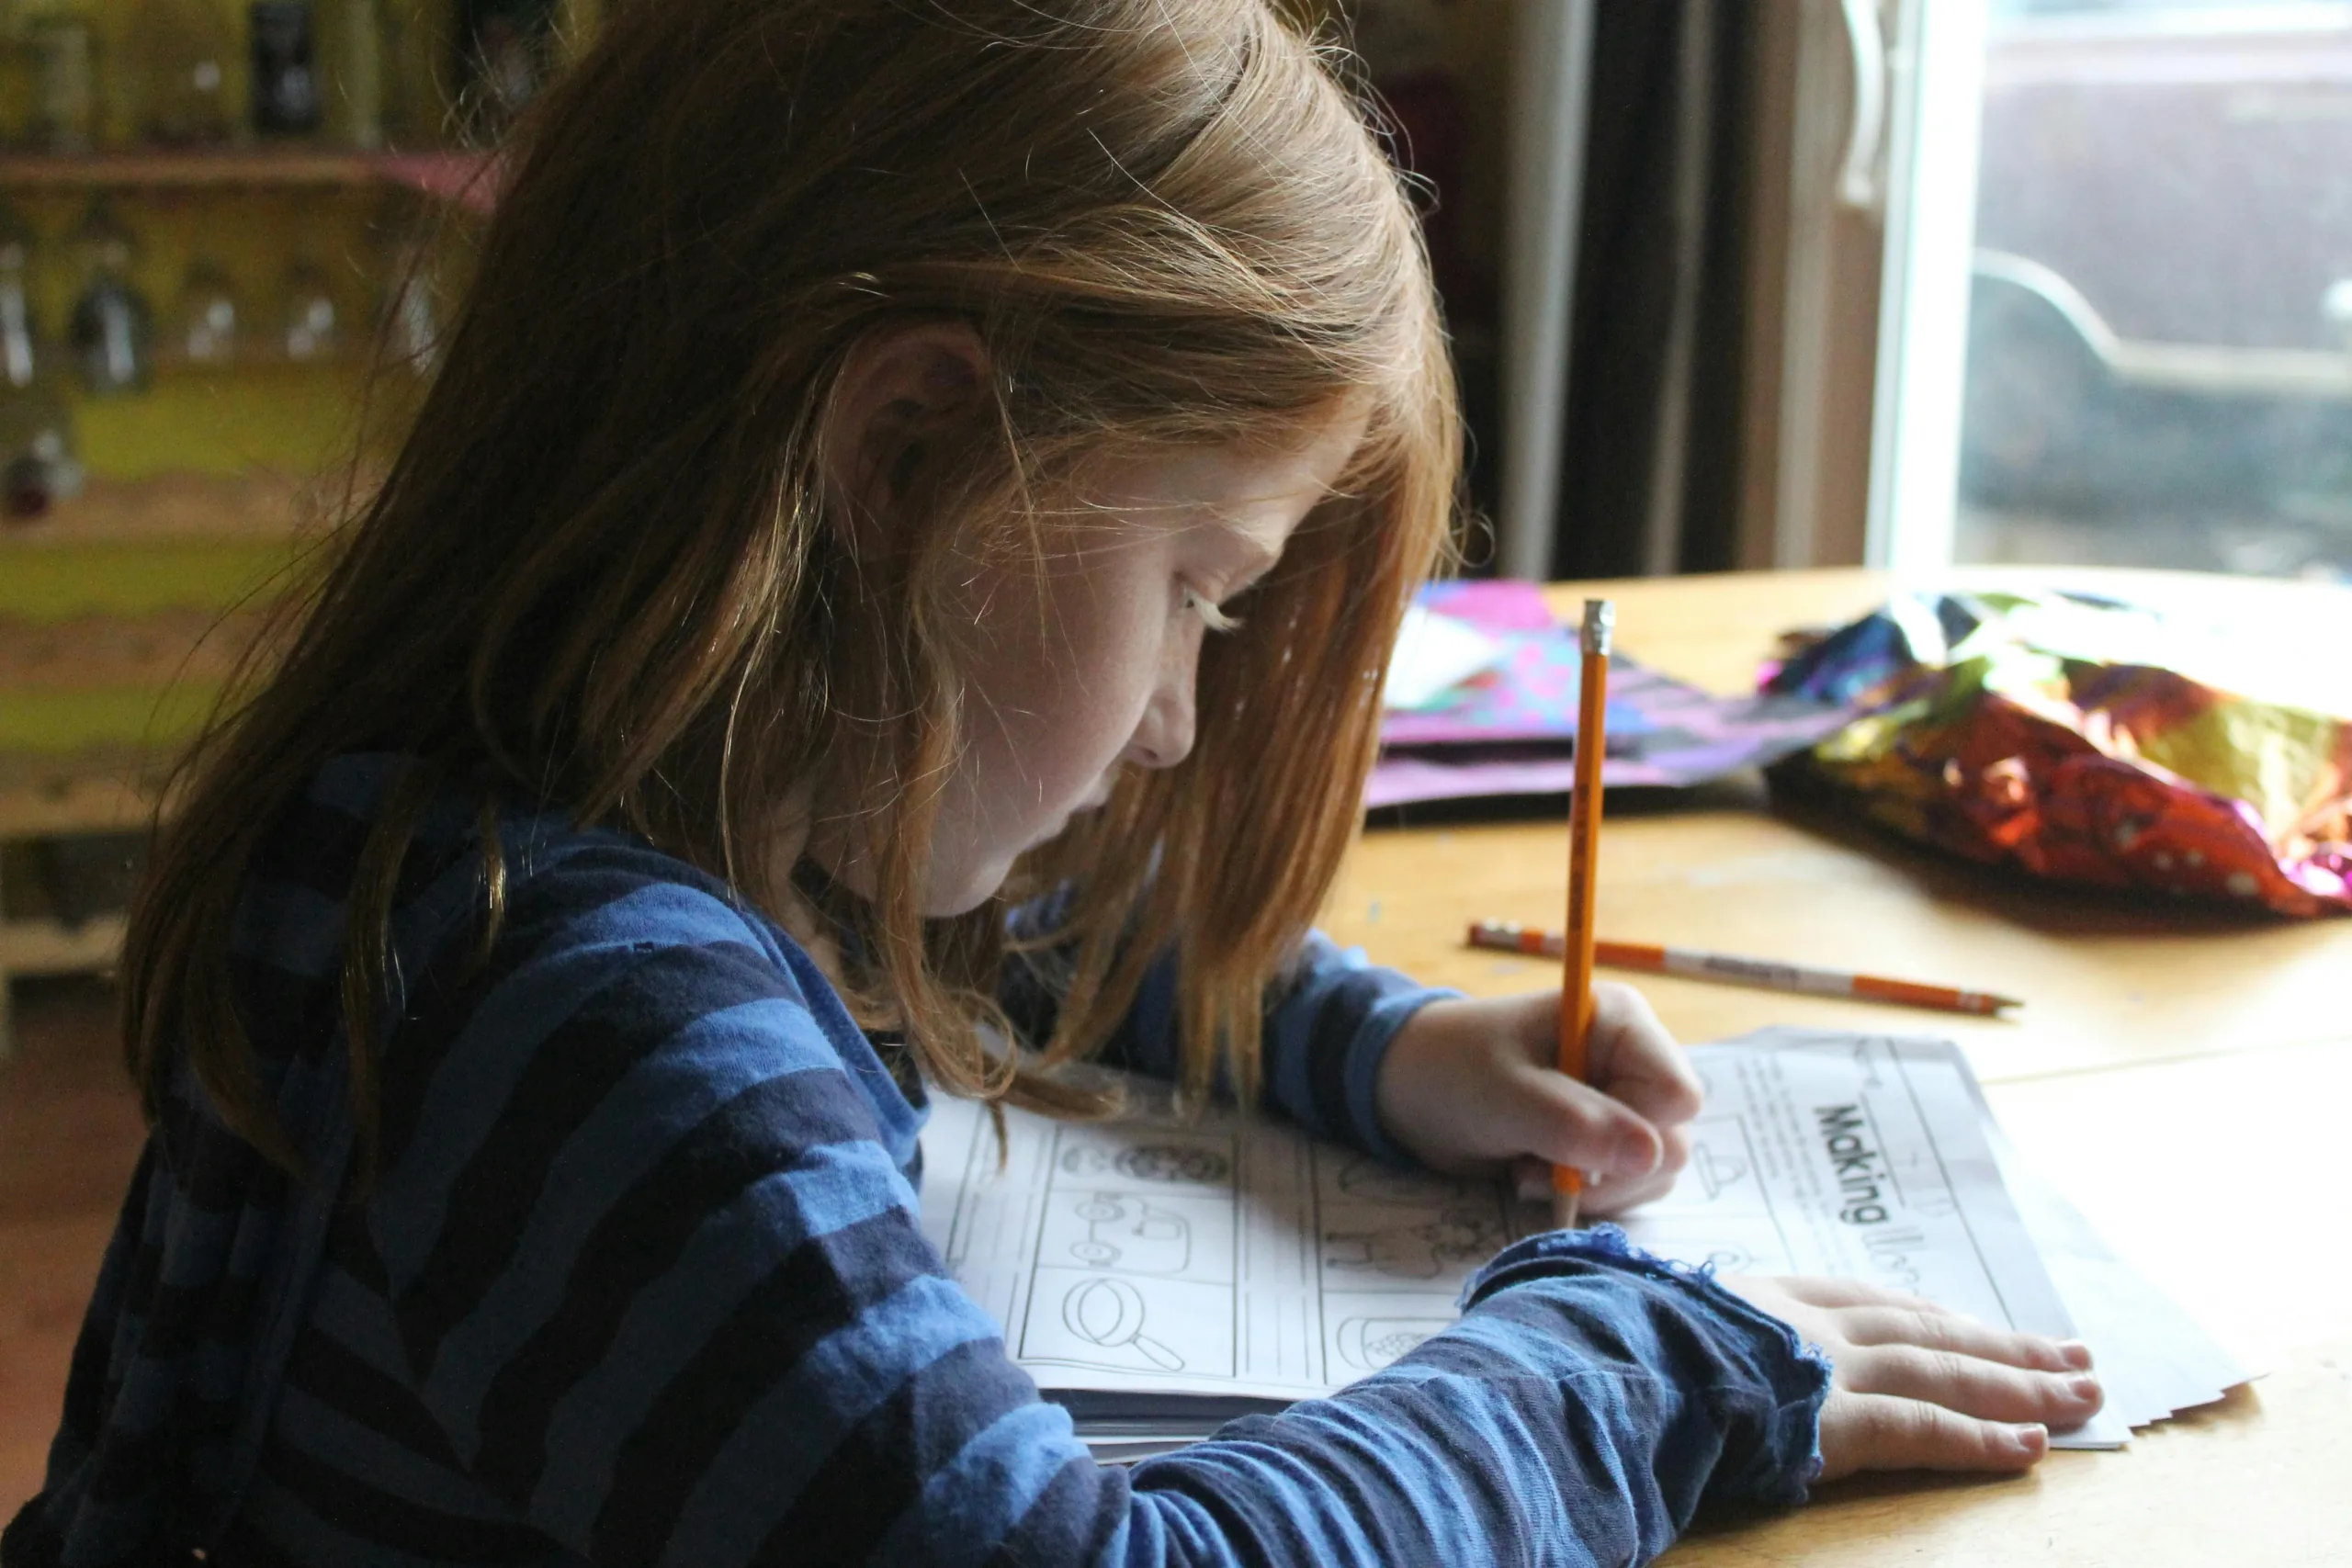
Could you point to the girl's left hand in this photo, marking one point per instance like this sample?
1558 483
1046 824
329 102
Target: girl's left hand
1471 1083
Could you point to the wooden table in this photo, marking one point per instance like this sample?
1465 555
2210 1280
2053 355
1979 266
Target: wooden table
2181 1074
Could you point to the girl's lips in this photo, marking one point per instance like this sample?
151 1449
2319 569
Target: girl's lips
1095 800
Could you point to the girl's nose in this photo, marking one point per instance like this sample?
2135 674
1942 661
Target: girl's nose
1164 735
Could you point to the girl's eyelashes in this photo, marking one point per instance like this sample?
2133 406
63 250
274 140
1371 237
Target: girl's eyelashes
1212 614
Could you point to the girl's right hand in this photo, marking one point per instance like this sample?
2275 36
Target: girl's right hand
1917 1387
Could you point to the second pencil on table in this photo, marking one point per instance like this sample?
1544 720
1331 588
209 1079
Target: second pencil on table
1767 973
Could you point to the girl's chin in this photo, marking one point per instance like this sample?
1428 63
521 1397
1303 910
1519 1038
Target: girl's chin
956 895
958 890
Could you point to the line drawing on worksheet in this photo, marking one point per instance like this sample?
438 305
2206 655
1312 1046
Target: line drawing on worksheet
1228 1255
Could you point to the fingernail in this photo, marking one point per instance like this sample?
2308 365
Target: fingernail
2075 1353
1635 1156
2084 1388
2029 1440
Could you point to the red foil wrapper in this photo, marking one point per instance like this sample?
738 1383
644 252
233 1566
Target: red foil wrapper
2051 734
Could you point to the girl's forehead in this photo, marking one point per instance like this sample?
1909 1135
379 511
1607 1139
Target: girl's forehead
1242 505
1296 466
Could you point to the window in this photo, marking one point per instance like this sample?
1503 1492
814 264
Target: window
2157 364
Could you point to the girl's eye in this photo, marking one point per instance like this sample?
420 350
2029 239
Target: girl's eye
1214 618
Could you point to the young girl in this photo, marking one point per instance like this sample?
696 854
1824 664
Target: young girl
886 596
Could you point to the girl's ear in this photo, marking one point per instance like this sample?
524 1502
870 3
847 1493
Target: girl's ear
902 391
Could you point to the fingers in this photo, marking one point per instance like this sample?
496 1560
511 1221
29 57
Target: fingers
1950 1359
1469 1081
1974 1386
1565 1122
1917 1386
1614 1194
1635 1059
1605 1196
1823 1291
1877 1431
1931 1328
1869 1315
1531 1179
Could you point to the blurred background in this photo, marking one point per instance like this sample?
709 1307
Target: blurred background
230 233
1731 284
229 236
2159 355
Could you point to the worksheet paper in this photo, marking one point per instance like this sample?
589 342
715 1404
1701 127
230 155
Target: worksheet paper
2153 1359
1233 1258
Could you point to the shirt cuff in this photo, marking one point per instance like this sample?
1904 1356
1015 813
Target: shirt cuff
1769 1407
1360 1076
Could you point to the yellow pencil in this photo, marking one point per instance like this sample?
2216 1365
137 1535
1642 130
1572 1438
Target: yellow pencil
1583 856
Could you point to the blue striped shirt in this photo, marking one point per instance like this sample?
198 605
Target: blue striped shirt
640 1280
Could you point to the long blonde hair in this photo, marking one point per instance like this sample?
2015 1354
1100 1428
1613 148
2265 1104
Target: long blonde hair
604 575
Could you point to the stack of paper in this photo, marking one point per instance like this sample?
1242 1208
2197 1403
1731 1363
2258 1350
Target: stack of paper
2155 1360
1433 655
1481 700
1160 1278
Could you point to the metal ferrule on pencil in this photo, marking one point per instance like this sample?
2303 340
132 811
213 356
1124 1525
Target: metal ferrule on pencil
1599 622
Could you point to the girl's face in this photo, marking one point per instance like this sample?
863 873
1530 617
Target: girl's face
1085 660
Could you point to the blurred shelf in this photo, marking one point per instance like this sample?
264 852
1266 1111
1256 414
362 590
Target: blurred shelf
52 947
260 506
262 350
176 168
467 179
95 653
90 794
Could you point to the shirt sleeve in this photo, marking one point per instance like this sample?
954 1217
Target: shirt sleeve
1329 1023
663 1288
1591 1400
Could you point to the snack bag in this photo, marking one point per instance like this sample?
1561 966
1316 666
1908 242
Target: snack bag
2087 741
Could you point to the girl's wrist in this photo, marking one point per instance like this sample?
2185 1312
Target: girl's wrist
1384 1134
1410 1078
1765 1386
